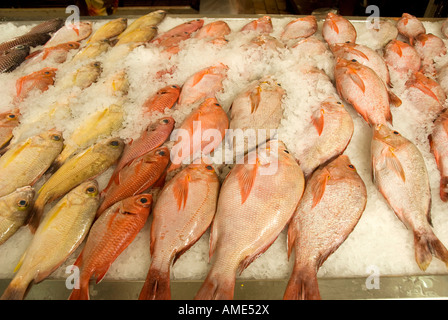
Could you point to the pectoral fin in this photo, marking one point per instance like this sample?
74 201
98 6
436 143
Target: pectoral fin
318 121
181 191
393 164
357 79
246 177
318 187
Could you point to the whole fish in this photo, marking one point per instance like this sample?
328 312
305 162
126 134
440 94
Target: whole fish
81 167
204 84
92 50
438 140
184 28
151 19
266 42
429 47
49 26
360 86
142 34
39 80
213 31
8 122
326 137
164 98
13 58
261 25
363 55
30 40
58 53
109 30
256 201
183 212
155 134
401 57
299 28
26 161
257 107
332 204
14 210
337 29
82 77
310 46
171 45
62 230
109 236
71 33
410 27
193 138
399 173
136 177
425 94
98 125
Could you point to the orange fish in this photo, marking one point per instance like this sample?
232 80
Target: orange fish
429 47
401 57
8 121
337 29
162 99
183 212
153 137
261 25
186 28
410 27
214 32
39 80
438 140
136 177
57 53
204 84
208 122
426 94
108 237
365 91
300 28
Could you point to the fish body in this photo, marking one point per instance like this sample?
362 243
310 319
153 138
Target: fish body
82 77
109 30
256 201
337 29
108 237
186 28
62 230
363 55
208 122
31 40
326 137
96 126
8 122
332 204
309 46
401 57
164 98
58 53
14 210
204 84
266 42
400 174
142 34
213 30
39 80
92 50
439 147
360 86
258 107
410 27
426 94
13 58
26 161
299 28
261 25
71 32
429 47
81 167
136 177
151 19
49 26
183 212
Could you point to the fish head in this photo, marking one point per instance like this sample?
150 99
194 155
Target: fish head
202 169
53 135
88 189
171 91
71 45
158 154
22 47
341 168
113 145
22 198
9 118
137 204
388 137
396 46
167 122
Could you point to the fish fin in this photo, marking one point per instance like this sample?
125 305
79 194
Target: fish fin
318 121
46 53
255 99
33 54
101 273
394 164
426 245
156 286
359 53
212 240
333 25
357 79
35 216
198 77
180 191
291 238
14 155
19 264
318 187
16 290
246 177
302 285
397 49
82 293
420 86
394 100
217 287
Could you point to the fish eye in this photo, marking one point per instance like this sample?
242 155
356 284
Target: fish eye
217 104
347 41
165 121
11 116
351 166
97 64
143 200
114 143
175 87
22 203
161 153
354 60
91 190
396 132
286 151
209 167
56 137
46 72
338 102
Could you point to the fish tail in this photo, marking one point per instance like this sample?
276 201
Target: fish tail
444 189
157 286
81 293
426 245
302 285
35 216
16 290
217 287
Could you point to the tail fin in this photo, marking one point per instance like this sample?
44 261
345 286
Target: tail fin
16 290
302 285
157 286
216 287
35 216
82 293
427 245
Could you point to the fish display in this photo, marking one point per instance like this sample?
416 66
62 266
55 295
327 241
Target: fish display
333 202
